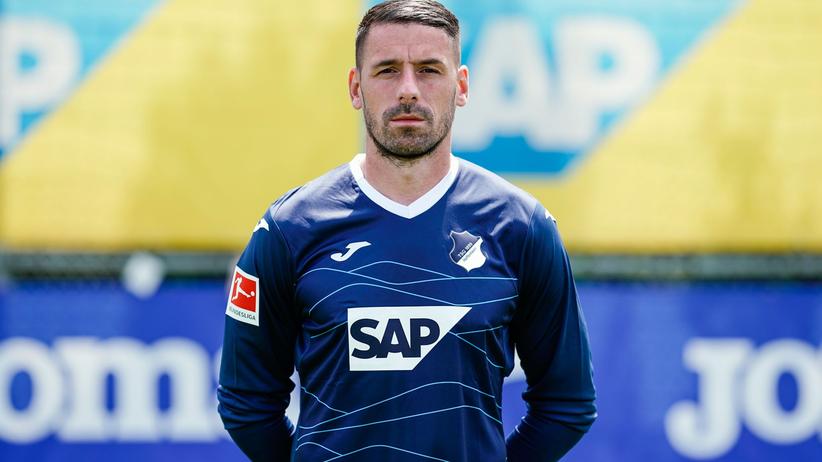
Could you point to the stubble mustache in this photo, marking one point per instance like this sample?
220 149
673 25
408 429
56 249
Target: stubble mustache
407 109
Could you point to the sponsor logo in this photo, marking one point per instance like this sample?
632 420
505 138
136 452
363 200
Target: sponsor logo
68 397
351 248
466 250
244 299
397 338
739 384
261 225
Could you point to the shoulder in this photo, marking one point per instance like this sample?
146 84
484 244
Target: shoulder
314 201
490 191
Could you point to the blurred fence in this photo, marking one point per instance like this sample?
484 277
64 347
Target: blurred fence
627 267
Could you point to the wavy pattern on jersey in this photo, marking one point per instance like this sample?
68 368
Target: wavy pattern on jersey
461 303
410 395
338 455
322 425
383 284
420 293
415 389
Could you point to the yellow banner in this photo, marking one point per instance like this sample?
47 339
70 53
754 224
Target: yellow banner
206 113
184 135
727 156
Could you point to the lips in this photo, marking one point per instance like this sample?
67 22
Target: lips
408 114
407 118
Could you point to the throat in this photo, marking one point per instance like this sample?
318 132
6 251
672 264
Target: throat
405 180
403 191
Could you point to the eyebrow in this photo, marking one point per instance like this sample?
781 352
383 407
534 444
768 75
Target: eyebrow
429 61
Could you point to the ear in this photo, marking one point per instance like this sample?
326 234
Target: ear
354 88
461 98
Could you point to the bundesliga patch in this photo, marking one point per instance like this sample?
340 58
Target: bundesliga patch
244 299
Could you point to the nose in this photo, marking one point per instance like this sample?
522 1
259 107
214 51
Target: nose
409 92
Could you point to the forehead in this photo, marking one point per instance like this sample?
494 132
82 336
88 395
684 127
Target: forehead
411 42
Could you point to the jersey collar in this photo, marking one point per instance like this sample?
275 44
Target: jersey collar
425 202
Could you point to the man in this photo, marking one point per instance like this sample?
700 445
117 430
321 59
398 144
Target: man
399 284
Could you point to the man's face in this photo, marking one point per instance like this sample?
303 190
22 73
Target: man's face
408 86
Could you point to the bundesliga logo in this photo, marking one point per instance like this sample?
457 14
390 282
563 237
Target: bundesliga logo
244 299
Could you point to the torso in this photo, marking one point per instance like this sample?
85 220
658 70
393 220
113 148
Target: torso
405 341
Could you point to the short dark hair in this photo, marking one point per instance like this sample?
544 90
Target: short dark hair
425 12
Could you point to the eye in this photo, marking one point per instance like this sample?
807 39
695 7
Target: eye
429 70
387 70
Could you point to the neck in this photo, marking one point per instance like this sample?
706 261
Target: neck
404 181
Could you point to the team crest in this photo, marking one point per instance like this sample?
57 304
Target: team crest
467 250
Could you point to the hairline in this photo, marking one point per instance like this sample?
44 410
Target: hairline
454 39
429 13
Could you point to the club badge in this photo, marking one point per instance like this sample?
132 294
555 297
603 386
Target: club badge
467 250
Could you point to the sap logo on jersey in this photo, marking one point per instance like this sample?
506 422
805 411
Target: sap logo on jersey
397 338
244 300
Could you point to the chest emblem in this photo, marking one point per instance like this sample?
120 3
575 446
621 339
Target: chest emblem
466 250
350 249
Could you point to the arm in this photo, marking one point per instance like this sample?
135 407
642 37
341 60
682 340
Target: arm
552 341
257 425
258 360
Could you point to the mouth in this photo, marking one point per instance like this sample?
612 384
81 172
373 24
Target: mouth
407 119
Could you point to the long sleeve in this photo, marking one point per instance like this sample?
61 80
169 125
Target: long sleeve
258 347
256 424
552 341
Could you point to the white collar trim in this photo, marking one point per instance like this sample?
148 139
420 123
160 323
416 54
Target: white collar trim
425 202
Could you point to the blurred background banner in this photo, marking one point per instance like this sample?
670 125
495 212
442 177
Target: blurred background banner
552 79
644 127
48 48
90 372
722 154
718 371
200 116
701 371
676 142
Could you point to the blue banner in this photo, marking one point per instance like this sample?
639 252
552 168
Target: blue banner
721 372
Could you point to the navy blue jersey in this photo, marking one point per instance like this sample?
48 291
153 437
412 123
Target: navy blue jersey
402 322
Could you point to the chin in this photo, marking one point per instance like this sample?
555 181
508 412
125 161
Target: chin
407 154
